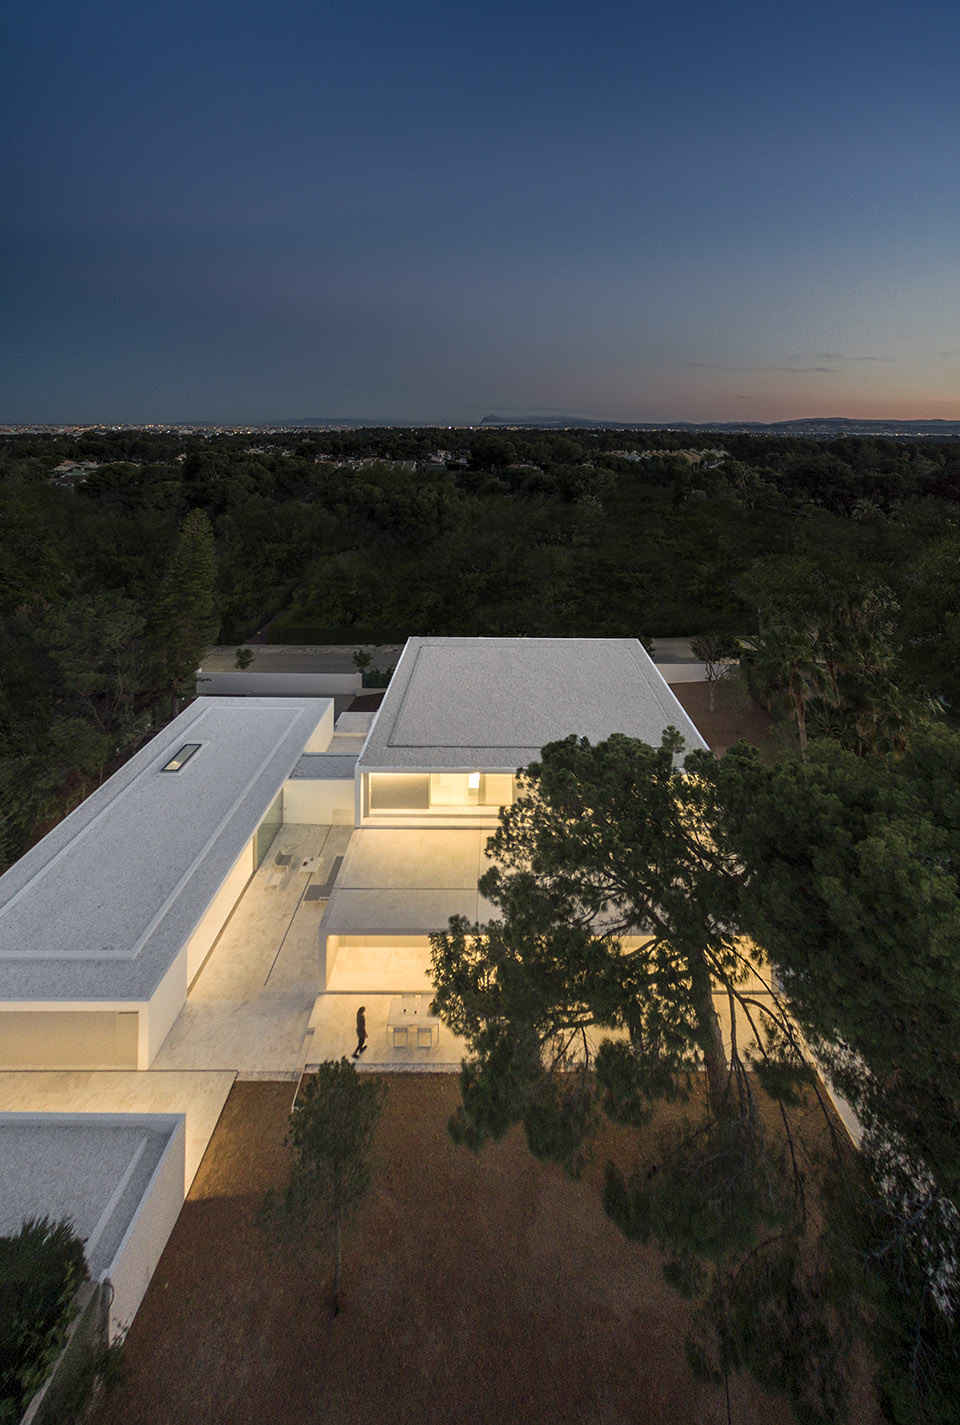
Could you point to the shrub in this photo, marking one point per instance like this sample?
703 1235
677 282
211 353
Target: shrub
41 1268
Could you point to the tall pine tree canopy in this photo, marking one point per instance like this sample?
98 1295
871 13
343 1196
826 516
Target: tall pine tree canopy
619 911
852 886
184 620
634 896
852 882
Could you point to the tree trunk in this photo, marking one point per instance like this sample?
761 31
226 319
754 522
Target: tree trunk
801 723
337 1266
711 1035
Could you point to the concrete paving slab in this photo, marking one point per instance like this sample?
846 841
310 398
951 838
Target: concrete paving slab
332 1035
249 1007
263 1035
421 859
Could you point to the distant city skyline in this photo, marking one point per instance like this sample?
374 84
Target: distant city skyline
427 213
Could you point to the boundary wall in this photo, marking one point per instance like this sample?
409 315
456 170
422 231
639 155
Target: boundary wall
278 685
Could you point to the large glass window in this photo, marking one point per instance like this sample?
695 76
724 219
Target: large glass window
496 789
268 828
438 792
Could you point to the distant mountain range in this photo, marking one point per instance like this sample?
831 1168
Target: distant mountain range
812 425
333 423
809 426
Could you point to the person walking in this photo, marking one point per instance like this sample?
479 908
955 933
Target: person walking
361 1032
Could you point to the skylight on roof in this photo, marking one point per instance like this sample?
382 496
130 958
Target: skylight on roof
179 758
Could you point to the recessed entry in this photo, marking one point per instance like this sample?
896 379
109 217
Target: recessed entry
179 758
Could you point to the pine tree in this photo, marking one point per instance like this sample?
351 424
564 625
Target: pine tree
185 620
331 1129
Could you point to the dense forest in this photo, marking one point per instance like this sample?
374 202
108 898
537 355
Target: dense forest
832 568
113 578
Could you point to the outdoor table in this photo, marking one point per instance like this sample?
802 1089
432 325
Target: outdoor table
412 1012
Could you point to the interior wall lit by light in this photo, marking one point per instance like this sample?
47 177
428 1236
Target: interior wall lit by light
436 792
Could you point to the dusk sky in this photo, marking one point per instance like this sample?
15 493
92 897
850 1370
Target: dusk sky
427 212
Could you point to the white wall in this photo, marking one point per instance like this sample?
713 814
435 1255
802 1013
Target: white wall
329 945
380 944
383 940
212 921
319 739
682 672
144 1240
437 810
157 1017
278 685
69 1037
316 803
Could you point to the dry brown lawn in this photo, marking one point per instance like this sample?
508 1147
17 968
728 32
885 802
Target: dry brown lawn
484 1288
728 723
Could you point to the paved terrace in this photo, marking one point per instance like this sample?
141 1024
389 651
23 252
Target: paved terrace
257 1008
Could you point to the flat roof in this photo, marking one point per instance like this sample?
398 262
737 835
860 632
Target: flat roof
100 908
339 761
320 767
491 704
408 881
93 1169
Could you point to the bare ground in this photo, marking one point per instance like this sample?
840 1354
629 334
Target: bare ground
477 1288
733 717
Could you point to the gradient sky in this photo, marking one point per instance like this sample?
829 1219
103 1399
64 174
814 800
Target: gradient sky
422 211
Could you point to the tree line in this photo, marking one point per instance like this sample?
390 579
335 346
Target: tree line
520 532
835 568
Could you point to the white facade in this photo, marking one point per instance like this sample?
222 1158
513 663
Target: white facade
461 715
105 923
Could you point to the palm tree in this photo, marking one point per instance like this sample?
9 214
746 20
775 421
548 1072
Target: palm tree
785 663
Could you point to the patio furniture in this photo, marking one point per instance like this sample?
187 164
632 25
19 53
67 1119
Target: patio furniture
274 880
409 1015
325 887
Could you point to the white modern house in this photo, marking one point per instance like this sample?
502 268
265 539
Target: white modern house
106 924
117 1177
225 901
460 716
